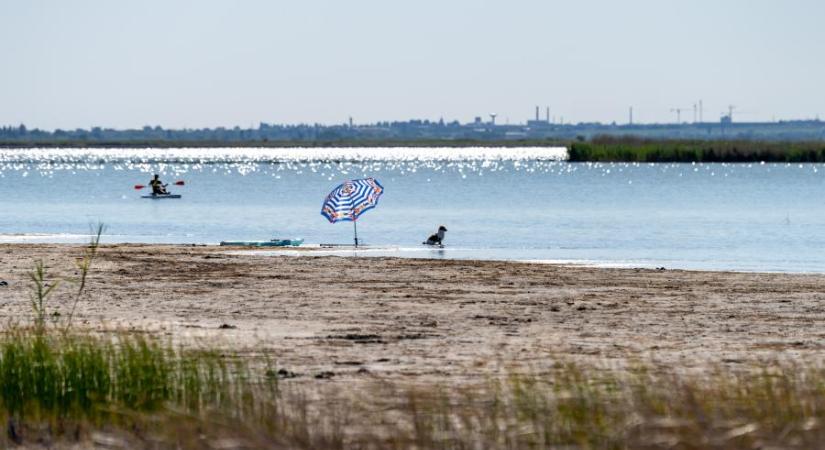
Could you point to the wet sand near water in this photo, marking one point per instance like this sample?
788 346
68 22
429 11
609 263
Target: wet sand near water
432 319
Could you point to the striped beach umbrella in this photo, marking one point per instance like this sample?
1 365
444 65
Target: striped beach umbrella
351 199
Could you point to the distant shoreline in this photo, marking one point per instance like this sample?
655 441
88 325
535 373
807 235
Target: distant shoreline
598 149
457 143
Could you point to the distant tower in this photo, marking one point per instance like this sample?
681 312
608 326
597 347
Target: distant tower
537 113
493 119
547 114
678 112
630 121
350 122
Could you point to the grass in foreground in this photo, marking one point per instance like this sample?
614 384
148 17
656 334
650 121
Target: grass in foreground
61 386
146 393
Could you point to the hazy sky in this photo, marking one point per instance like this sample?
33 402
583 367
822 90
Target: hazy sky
68 64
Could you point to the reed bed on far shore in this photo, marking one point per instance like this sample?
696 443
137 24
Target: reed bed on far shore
630 149
139 392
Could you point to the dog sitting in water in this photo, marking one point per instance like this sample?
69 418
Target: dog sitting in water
436 238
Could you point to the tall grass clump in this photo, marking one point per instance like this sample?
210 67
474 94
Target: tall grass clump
44 289
70 380
48 376
51 373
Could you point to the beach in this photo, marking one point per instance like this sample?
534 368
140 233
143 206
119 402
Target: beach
419 319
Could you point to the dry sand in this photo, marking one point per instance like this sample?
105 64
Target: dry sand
418 319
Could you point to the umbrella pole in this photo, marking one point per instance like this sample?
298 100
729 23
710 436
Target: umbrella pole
355 228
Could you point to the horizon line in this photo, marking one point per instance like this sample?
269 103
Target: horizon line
439 122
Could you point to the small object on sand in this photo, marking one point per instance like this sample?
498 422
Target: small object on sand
285 374
226 326
4 283
348 363
660 268
107 440
326 375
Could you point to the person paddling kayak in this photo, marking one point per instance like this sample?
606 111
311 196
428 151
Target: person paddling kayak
158 188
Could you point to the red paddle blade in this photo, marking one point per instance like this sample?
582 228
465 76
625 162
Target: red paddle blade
139 186
179 183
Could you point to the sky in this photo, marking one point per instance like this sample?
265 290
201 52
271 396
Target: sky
207 63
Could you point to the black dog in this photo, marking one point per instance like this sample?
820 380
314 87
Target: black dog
436 238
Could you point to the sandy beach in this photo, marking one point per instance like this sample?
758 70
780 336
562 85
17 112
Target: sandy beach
423 319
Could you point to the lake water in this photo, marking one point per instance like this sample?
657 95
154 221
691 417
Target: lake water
520 204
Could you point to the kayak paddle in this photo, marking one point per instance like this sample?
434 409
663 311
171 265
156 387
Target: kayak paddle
177 183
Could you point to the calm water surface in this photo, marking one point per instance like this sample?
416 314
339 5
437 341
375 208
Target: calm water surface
498 204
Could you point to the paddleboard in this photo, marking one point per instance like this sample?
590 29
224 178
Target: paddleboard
271 243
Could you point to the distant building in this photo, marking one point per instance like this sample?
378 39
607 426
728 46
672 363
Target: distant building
538 124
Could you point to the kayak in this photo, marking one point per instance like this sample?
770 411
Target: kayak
271 243
160 196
